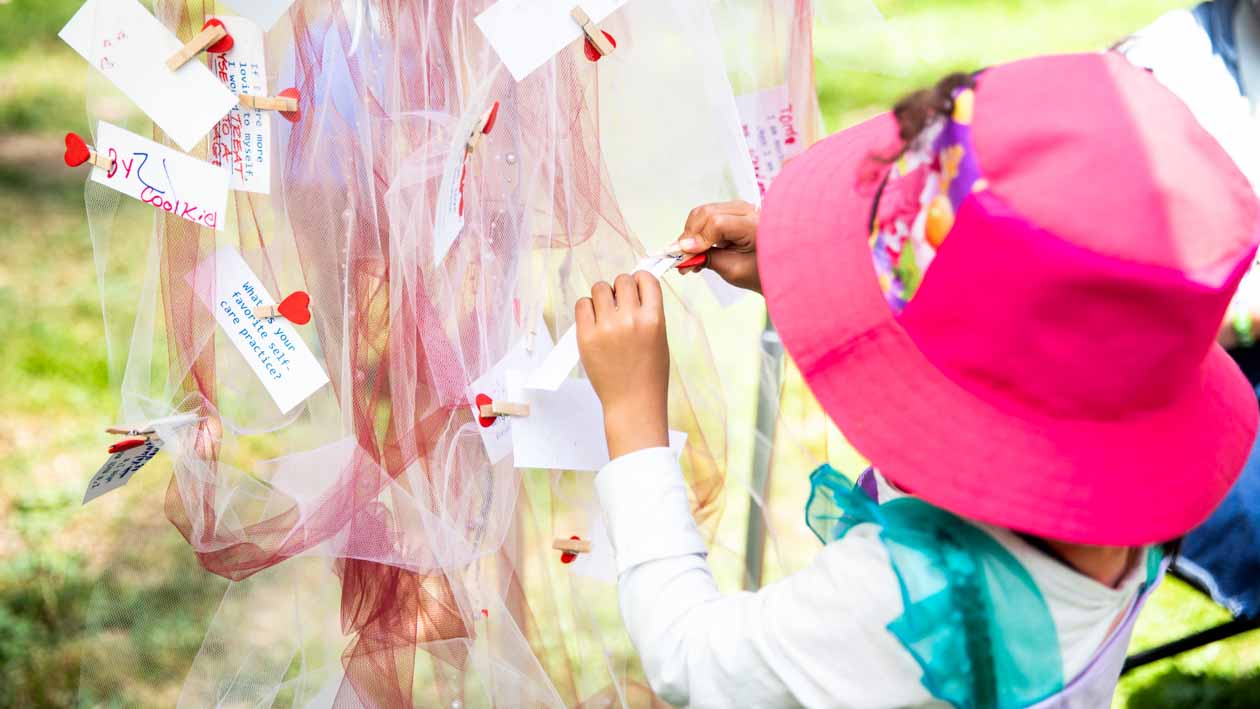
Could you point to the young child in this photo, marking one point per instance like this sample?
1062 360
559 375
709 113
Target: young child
1011 314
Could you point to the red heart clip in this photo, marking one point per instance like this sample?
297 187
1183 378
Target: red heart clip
126 445
569 557
224 45
491 117
697 261
292 116
296 308
77 151
485 421
589 47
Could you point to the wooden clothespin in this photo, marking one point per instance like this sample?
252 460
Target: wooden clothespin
571 547
147 431
213 38
598 42
296 308
489 410
484 126
495 409
78 152
286 103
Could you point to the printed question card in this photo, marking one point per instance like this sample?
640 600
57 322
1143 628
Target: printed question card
528 33
241 141
264 12
271 346
167 179
130 47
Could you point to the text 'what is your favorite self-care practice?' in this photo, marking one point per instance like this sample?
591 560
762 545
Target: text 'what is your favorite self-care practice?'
164 178
271 346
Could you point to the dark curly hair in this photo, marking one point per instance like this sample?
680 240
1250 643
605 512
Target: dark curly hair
915 111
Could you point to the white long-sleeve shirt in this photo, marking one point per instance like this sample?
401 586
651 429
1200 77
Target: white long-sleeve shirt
817 638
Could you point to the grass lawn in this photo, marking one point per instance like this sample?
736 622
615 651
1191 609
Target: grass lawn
57 559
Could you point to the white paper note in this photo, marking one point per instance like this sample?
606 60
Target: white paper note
770 130
497 437
555 368
600 563
725 293
118 470
264 12
564 429
271 346
449 221
164 178
527 33
242 140
130 47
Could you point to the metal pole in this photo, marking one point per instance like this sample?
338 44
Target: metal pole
767 414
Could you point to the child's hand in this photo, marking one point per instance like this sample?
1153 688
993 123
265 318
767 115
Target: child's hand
727 232
621 335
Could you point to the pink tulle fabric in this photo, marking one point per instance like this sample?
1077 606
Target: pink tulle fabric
377 557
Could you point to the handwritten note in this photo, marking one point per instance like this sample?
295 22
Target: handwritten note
167 179
553 370
449 222
528 33
242 140
770 130
130 47
564 429
264 12
271 346
497 436
120 467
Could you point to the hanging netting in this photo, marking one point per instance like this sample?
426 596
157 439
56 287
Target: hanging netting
367 549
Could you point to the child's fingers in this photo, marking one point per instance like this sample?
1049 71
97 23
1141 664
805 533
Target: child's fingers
626 291
584 314
649 291
698 221
605 303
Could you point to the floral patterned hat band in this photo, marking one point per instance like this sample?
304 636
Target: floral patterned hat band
915 208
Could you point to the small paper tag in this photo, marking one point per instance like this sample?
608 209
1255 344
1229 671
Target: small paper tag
130 47
770 130
263 12
242 140
497 437
271 346
528 33
164 178
555 368
118 470
564 429
449 221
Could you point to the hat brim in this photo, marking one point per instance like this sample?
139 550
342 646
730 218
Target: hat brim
1134 481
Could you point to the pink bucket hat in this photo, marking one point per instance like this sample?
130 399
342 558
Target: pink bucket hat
1055 371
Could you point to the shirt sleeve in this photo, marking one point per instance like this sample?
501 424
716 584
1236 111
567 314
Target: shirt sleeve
816 638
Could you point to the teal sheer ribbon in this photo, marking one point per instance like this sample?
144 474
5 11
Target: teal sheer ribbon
974 620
